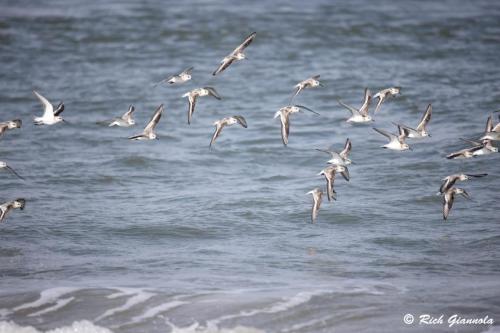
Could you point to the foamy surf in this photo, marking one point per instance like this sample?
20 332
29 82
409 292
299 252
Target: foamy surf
83 326
46 297
138 296
155 311
60 303
197 328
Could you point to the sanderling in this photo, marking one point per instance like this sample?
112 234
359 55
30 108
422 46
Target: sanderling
361 115
50 116
125 120
237 54
329 174
420 131
284 114
149 130
450 180
341 158
308 83
182 77
11 124
397 142
194 94
383 94
465 153
485 144
317 199
449 197
219 125
8 206
4 165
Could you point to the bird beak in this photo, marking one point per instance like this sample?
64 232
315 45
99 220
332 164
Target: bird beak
321 84
410 148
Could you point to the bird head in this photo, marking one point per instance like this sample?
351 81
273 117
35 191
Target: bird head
19 203
16 123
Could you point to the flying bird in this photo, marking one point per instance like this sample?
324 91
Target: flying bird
486 147
219 125
329 174
308 83
317 199
450 180
149 130
8 206
420 131
8 125
125 120
341 158
182 77
284 114
396 142
361 115
384 94
199 92
449 197
237 54
50 115
4 165
465 153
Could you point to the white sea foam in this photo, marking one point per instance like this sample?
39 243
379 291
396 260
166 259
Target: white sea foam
46 297
283 305
300 327
60 303
138 297
196 328
83 326
123 292
154 311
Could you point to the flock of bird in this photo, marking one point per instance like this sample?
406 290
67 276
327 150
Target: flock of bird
338 162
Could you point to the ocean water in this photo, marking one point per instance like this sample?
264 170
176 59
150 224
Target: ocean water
169 236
